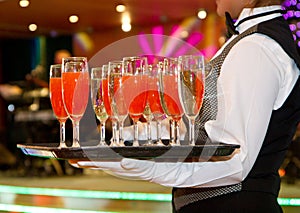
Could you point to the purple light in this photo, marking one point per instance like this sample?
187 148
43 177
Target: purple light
299 43
145 44
298 33
298 25
195 38
287 3
209 51
292 7
192 40
158 42
158 30
290 13
293 27
174 29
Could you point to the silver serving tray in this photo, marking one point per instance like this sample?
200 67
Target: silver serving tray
106 153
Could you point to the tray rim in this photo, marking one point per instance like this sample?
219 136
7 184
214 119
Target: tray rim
85 151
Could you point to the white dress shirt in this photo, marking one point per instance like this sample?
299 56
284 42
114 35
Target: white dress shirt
256 78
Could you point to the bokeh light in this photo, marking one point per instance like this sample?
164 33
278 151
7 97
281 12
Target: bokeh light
293 17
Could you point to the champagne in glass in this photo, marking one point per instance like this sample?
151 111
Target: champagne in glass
75 90
116 91
169 97
153 101
57 102
191 88
98 100
107 104
135 69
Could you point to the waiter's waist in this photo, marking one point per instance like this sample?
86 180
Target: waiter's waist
267 184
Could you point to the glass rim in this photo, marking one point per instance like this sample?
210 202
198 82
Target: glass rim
55 71
191 56
55 65
134 57
96 68
75 58
114 62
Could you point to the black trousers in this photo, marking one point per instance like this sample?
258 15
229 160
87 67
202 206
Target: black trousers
236 202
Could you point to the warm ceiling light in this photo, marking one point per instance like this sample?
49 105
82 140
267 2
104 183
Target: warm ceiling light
222 40
184 34
32 27
126 27
120 8
73 19
125 18
24 3
202 14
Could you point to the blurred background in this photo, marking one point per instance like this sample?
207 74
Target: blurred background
32 35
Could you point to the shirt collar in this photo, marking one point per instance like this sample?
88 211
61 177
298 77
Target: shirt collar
253 11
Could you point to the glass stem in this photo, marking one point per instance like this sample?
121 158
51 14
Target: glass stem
75 134
177 133
149 139
158 126
62 142
191 132
136 134
102 134
114 139
158 131
121 136
172 132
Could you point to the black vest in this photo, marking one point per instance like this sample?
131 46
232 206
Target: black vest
283 121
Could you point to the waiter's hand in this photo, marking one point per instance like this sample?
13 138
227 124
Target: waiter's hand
167 174
127 168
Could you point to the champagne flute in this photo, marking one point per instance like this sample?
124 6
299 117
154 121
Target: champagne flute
191 88
135 70
169 97
75 90
57 102
147 114
156 109
107 104
116 93
97 100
